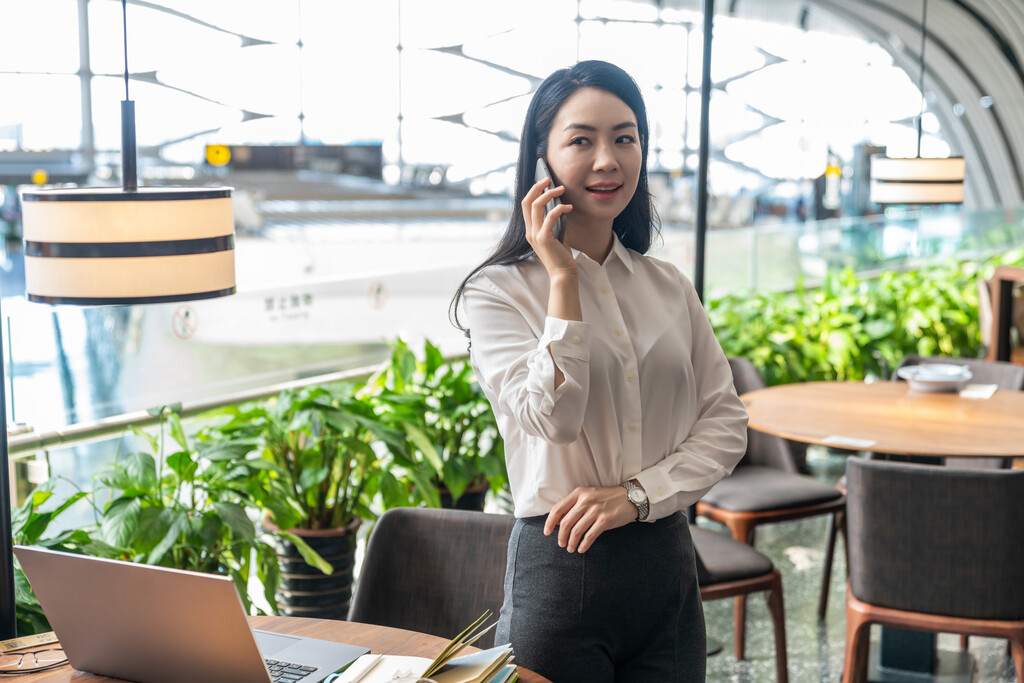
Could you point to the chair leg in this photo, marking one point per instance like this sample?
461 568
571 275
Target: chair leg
1017 653
830 551
743 532
777 611
858 642
739 617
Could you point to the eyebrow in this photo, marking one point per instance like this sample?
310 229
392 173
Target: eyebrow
584 126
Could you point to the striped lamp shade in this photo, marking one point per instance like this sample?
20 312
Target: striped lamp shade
109 246
917 180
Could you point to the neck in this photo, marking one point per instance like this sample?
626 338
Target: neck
594 241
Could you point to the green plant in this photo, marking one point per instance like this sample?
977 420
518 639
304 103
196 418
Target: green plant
452 435
186 509
850 328
322 471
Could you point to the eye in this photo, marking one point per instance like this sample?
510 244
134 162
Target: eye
579 140
628 139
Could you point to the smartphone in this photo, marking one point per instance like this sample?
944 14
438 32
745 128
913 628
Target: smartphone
559 227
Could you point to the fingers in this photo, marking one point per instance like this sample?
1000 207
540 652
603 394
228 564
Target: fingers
539 226
585 514
558 512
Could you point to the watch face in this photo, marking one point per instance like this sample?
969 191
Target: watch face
637 496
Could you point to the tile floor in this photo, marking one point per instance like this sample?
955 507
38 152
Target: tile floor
815 650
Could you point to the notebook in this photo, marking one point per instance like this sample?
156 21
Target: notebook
157 625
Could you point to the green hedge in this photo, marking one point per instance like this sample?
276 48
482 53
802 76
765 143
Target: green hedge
851 328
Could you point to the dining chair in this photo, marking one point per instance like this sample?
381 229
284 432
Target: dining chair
433 570
766 487
727 568
929 550
1006 376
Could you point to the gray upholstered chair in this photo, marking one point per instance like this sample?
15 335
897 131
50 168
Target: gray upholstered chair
1007 376
727 568
766 487
433 571
933 549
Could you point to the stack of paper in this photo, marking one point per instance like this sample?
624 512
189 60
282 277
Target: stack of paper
487 666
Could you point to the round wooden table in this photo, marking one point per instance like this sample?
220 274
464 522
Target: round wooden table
380 640
889 417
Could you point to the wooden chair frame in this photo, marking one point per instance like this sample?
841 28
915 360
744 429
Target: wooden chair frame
860 615
771 585
742 525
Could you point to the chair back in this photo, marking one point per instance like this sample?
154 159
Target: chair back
433 571
1008 376
762 449
937 540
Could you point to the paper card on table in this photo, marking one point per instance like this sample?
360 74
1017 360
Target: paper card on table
978 390
384 671
848 441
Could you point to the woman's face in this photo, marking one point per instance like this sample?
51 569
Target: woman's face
594 151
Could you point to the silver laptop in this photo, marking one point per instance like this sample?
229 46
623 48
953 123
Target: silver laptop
157 625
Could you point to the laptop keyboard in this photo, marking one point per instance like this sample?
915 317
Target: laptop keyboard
284 672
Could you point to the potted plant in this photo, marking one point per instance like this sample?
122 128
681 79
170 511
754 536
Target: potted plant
321 475
186 510
453 452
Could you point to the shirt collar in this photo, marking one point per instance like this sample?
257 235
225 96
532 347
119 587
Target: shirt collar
618 251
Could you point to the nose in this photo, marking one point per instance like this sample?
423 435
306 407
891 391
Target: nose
604 157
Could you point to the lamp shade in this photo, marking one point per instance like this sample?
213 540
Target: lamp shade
917 180
105 246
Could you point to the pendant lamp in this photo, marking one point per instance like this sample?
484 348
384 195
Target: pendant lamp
918 180
116 246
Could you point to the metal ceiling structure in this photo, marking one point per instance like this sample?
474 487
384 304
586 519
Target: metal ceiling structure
974 81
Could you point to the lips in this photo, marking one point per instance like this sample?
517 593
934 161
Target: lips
604 188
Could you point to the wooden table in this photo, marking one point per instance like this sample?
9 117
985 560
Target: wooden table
380 640
889 417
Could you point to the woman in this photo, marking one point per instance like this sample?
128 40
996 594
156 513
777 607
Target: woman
615 400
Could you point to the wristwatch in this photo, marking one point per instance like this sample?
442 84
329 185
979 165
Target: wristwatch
638 497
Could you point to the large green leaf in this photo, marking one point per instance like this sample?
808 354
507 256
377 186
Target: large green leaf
121 521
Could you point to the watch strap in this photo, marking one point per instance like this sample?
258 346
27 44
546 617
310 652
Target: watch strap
643 507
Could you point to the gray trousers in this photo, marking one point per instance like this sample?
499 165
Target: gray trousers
626 611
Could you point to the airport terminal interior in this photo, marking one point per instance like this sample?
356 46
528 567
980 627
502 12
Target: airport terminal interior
371 150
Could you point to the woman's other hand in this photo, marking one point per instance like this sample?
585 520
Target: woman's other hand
588 512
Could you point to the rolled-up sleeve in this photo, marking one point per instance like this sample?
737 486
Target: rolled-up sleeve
717 438
515 350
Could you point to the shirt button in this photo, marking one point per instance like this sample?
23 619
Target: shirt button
618 331
630 377
633 426
605 289
575 340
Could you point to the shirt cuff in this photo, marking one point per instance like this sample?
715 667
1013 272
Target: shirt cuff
566 339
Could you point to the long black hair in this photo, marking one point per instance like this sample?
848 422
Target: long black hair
635 227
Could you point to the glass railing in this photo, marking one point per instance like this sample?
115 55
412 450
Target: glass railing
338 293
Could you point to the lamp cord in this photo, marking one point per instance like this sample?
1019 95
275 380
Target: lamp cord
129 174
124 23
924 32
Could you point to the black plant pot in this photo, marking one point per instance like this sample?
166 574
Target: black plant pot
473 498
305 591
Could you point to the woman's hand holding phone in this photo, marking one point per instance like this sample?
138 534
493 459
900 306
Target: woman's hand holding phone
541 222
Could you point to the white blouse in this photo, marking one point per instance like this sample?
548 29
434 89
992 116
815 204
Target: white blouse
648 392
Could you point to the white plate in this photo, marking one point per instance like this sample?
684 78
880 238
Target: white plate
935 376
